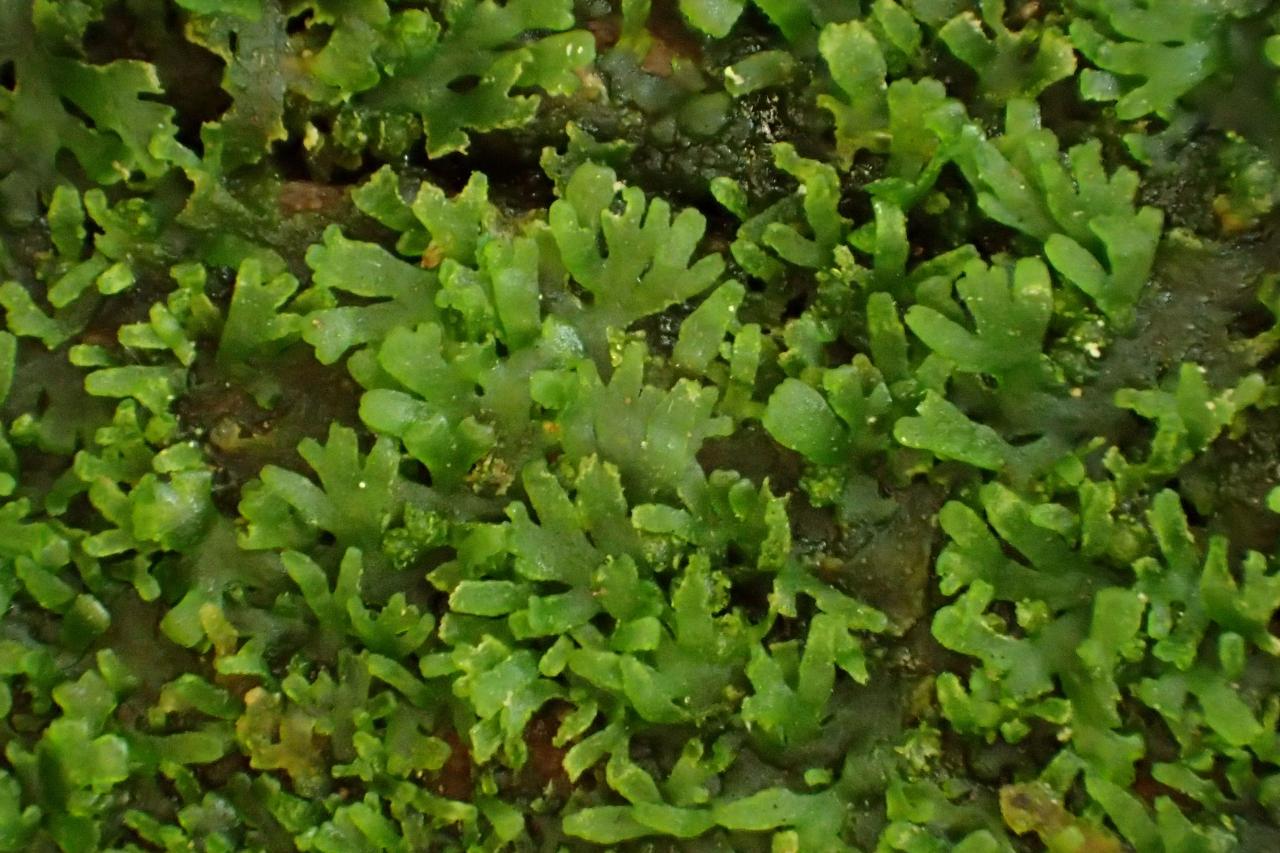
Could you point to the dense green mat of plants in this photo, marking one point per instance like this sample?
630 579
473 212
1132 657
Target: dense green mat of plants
691 425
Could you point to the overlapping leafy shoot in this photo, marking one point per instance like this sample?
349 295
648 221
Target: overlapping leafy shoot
523 513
